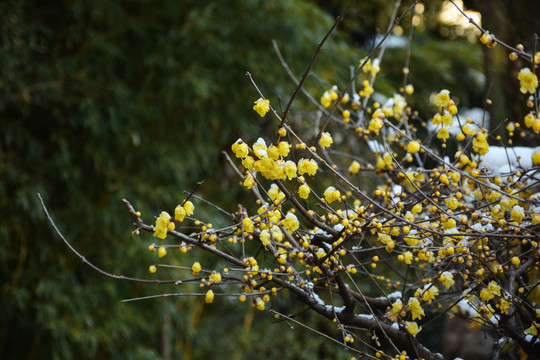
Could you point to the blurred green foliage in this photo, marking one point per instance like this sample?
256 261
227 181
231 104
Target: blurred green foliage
127 99
106 100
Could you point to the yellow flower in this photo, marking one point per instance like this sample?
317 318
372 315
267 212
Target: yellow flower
262 106
407 257
162 223
413 147
452 203
397 306
196 267
215 277
259 148
275 194
447 119
430 294
273 152
259 304
326 99
505 306
249 181
529 119
326 140
240 149
443 134
284 148
375 125
290 223
209 298
480 144
152 269
247 225
536 158
413 328
467 130
415 308
443 98
533 329
162 252
189 208
493 289
447 279
528 81
290 169
354 168
416 208
517 214
409 89
179 213
307 167
303 191
331 194
248 162
265 238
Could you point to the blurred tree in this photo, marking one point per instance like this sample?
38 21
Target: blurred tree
106 100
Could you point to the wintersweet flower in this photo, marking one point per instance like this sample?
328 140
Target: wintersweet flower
443 134
413 147
273 152
331 194
152 269
536 158
443 98
259 304
430 292
505 306
326 140
209 298
528 81
480 144
303 191
354 168
259 148
284 148
189 208
290 223
413 328
248 162
262 106
275 193
533 329
265 236
467 130
517 214
162 223
196 267
162 252
409 89
415 308
447 279
397 306
240 149
416 208
326 99
215 277
179 213
307 167
249 181
289 169
375 125
493 289
247 225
